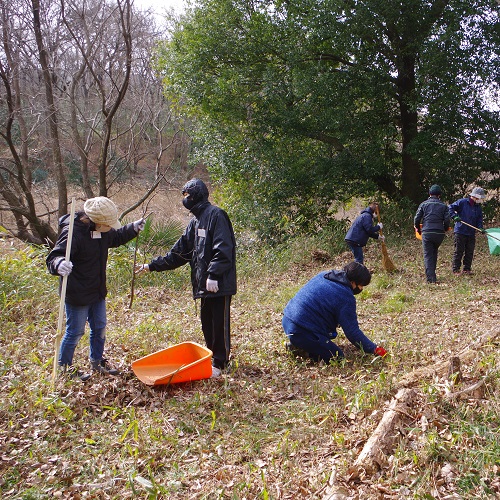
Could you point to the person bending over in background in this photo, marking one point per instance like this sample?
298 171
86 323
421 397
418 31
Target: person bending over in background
362 228
311 317
432 220
95 230
208 244
466 210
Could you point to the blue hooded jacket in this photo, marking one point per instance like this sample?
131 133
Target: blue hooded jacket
324 303
470 212
362 228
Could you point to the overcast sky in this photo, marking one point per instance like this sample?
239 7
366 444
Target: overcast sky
159 6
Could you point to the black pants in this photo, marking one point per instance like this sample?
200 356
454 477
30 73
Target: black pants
215 323
464 247
430 245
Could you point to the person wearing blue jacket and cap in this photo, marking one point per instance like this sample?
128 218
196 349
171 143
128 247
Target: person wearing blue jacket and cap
361 230
466 210
312 316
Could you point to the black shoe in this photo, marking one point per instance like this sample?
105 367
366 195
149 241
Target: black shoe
103 367
72 372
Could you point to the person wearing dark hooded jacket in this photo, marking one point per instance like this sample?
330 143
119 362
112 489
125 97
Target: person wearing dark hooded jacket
208 245
312 316
432 220
361 230
96 229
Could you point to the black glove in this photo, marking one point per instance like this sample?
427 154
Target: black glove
456 218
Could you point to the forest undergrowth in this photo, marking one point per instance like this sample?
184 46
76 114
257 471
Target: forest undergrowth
274 426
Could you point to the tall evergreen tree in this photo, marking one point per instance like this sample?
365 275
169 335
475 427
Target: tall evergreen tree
305 101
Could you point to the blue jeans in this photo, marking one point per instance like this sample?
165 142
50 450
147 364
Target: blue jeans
357 252
76 319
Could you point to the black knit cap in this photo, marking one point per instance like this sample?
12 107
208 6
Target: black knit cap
358 273
435 190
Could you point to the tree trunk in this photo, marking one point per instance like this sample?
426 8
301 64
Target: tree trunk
51 112
410 175
109 110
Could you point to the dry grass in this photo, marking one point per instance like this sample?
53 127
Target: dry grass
275 426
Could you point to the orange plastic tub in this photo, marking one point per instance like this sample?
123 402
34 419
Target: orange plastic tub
182 362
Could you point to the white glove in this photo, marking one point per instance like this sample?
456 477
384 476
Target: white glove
65 267
141 268
139 225
381 237
212 285
380 225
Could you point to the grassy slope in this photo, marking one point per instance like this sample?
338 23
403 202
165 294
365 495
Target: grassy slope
276 426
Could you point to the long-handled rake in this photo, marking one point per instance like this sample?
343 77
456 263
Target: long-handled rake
493 246
62 298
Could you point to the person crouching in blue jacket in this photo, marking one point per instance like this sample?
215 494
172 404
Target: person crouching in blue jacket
311 317
362 228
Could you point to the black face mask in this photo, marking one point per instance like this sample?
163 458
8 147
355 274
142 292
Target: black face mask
188 202
356 290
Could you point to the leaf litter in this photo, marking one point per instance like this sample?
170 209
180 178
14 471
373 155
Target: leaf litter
275 426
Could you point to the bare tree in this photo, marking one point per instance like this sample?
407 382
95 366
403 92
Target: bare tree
15 172
51 109
79 99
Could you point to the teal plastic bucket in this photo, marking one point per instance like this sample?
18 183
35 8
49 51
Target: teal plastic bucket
494 240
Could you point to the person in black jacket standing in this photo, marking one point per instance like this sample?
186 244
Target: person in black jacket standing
432 220
95 230
209 246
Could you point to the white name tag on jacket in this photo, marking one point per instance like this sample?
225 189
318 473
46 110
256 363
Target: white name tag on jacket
95 235
201 233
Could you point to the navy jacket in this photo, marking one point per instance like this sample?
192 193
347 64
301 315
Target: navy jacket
87 281
470 212
325 302
362 228
208 244
434 216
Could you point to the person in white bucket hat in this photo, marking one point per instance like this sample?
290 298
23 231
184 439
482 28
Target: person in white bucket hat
467 210
95 230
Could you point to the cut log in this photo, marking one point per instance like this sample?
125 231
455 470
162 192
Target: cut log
381 443
441 368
